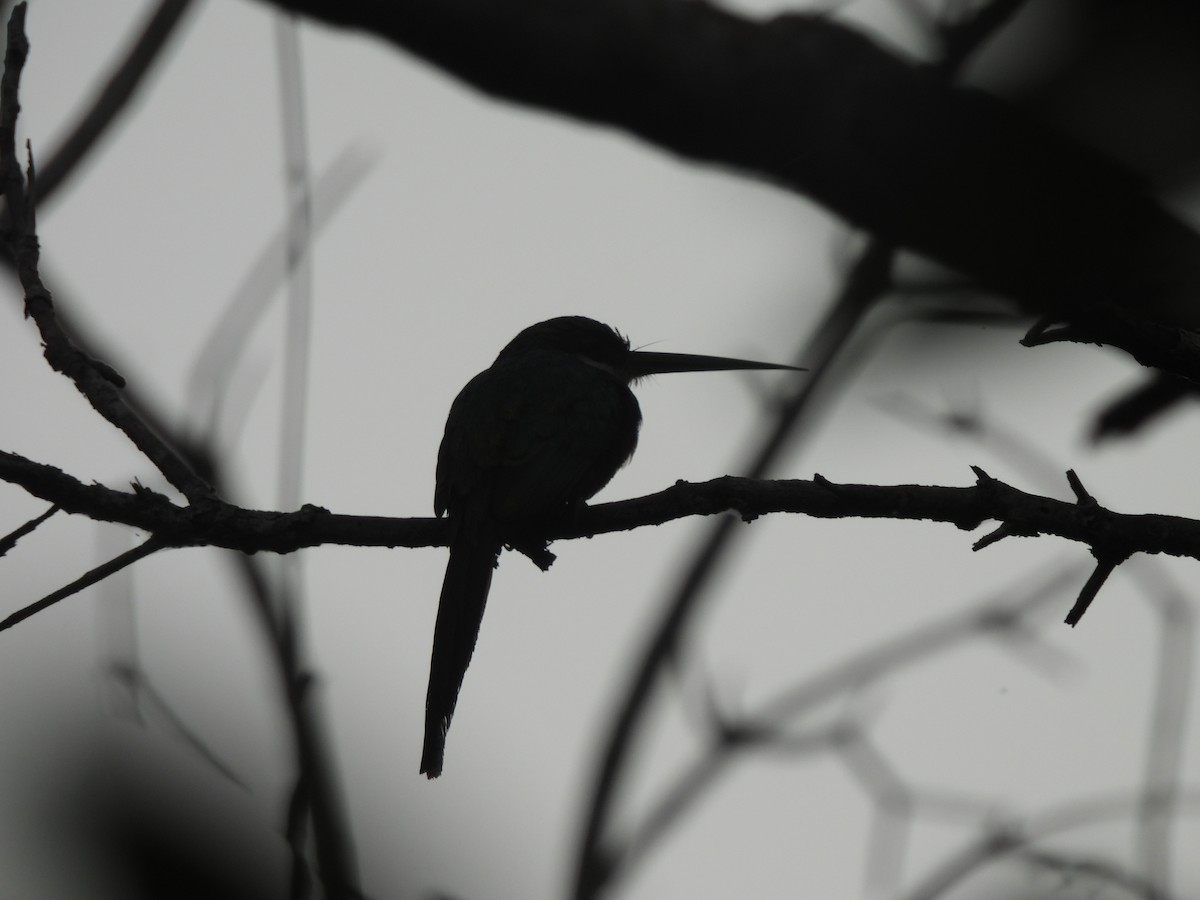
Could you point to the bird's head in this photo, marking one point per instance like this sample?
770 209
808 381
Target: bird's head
596 344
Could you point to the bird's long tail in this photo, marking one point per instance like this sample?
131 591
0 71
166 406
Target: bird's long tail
460 612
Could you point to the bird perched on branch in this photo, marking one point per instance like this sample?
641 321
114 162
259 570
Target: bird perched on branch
527 441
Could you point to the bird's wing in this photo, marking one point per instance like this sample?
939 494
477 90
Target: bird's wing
531 435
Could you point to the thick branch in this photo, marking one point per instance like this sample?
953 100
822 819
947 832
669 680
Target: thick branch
218 524
808 103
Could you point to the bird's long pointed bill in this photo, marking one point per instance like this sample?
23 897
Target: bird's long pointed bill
641 363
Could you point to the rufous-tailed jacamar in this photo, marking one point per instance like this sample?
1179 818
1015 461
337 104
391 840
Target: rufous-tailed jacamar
527 441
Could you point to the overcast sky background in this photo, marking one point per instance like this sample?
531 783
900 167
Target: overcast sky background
477 219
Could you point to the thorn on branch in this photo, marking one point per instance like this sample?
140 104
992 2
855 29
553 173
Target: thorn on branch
1036 335
1105 564
1044 332
821 481
993 537
1081 493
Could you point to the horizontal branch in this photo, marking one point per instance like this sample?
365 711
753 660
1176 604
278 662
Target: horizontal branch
218 524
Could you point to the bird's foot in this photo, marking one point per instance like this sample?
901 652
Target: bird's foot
536 550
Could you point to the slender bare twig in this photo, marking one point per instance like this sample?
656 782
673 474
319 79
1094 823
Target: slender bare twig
1105 566
113 96
299 231
10 540
1176 622
1166 738
997 843
84 581
992 618
1100 870
135 680
216 361
316 797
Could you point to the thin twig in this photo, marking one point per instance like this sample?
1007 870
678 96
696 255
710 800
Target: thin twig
136 681
153 545
855 673
217 359
996 844
113 97
10 540
1104 567
1166 738
316 791
1099 869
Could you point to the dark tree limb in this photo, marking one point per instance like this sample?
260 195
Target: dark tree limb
805 102
1152 344
1021 514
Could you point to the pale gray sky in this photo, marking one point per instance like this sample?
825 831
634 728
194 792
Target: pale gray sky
478 219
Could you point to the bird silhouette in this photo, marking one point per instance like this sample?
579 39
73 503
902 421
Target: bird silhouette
527 442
